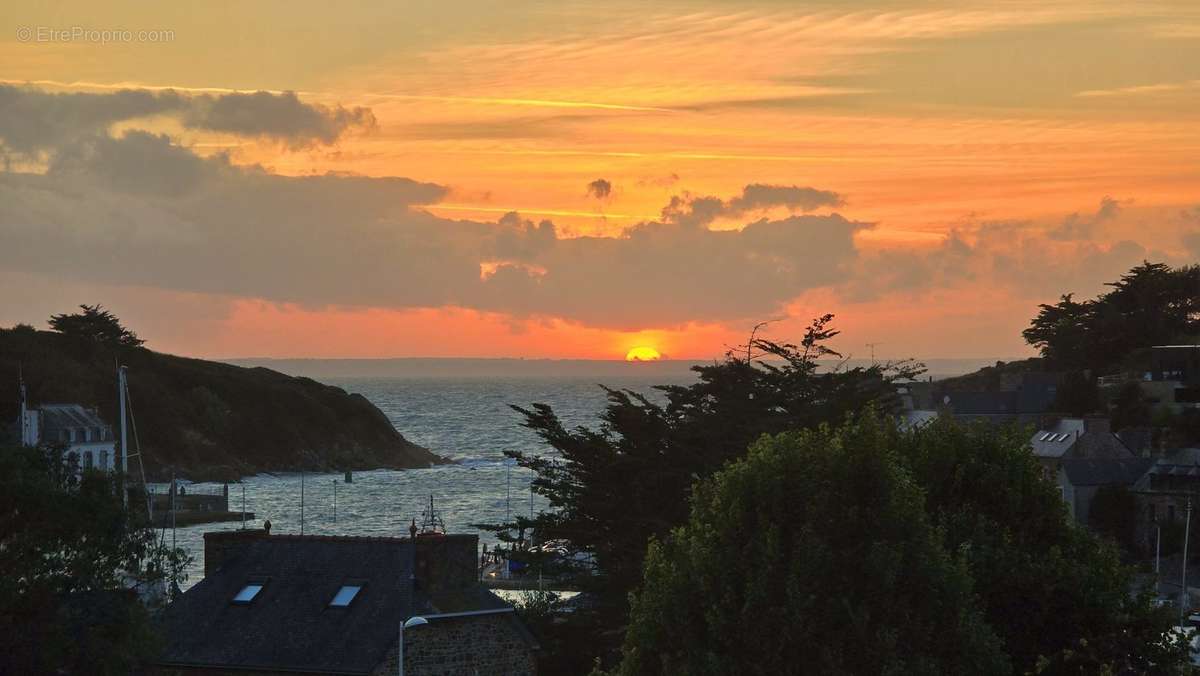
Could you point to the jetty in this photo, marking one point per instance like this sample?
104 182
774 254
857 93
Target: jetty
184 505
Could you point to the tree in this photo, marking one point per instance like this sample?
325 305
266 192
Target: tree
1152 304
1059 330
788 553
1130 407
612 489
1114 513
69 553
812 554
1055 594
96 325
1077 395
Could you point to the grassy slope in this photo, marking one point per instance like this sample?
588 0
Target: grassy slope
210 420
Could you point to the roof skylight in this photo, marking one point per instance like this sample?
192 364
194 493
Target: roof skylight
345 595
247 594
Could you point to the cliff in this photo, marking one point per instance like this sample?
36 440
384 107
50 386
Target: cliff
206 419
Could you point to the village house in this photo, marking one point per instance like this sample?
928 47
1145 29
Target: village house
1070 438
304 604
1079 479
88 440
1173 382
1165 489
1022 398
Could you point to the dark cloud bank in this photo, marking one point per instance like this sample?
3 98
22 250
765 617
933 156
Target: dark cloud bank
139 209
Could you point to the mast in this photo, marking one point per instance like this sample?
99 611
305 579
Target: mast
23 397
124 436
174 492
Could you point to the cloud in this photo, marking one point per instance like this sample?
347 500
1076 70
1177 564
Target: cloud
139 210
1157 88
600 189
699 211
120 164
278 116
1191 240
1019 257
1079 227
33 121
660 181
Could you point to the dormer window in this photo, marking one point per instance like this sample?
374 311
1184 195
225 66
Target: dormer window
247 594
345 596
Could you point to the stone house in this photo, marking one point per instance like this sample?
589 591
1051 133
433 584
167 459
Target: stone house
1068 438
1080 478
1165 488
305 604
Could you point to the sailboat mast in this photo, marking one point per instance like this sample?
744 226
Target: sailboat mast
124 436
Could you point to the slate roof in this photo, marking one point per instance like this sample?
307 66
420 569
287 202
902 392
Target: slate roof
1183 456
1059 438
289 624
62 416
916 418
967 403
1104 472
1027 399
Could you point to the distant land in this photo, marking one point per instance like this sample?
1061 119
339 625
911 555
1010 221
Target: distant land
470 368
207 420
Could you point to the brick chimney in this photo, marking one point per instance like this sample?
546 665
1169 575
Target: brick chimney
446 562
220 546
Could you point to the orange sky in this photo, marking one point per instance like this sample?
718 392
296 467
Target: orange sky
985 157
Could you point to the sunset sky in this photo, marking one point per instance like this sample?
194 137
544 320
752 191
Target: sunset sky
575 179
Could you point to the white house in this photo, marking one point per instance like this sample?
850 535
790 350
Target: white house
81 430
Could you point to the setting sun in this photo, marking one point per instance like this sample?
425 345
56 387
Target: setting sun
642 353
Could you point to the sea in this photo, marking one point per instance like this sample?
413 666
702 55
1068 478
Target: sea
459 409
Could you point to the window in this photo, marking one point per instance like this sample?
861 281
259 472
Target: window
247 594
104 459
1045 436
345 595
87 459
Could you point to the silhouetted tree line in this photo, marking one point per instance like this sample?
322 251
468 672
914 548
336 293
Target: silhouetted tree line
97 325
840 544
868 549
1152 304
72 563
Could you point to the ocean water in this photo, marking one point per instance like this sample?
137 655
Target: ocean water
439 404
465 419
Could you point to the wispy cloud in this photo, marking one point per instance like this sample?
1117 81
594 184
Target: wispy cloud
534 211
1141 90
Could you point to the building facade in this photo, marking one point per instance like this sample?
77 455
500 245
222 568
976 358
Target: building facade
1076 438
1165 490
88 440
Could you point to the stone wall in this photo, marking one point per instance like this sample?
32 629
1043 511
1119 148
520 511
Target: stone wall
481 644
